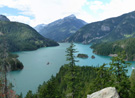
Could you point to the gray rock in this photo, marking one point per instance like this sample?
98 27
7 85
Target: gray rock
3 18
105 28
109 92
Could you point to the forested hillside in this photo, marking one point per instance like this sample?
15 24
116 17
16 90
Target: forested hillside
21 37
108 30
127 45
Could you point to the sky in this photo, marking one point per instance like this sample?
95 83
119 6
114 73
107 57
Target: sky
34 12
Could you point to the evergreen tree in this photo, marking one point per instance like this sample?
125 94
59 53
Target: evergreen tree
132 80
20 96
29 94
118 66
4 67
6 88
48 90
103 77
72 78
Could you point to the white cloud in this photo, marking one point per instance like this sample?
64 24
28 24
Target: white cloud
19 18
96 5
112 9
54 9
46 11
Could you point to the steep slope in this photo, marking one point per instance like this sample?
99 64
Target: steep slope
21 37
62 28
127 45
3 18
39 27
107 30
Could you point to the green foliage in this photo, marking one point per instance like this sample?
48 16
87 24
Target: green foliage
60 86
132 80
121 80
5 87
20 96
21 37
72 77
102 80
11 60
30 95
13 63
48 90
126 45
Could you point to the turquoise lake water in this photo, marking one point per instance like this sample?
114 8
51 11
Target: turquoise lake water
36 70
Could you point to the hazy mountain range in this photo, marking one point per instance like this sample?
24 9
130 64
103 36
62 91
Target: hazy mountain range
39 27
61 29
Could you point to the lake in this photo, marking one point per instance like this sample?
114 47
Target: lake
41 64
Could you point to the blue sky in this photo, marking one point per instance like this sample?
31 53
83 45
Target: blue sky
34 12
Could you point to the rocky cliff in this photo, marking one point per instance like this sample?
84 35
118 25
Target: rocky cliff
109 92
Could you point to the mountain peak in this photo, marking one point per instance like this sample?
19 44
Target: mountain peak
72 16
39 27
3 18
111 29
61 29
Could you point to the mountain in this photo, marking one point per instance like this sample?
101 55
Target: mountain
62 28
107 30
39 27
3 18
111 48
22 37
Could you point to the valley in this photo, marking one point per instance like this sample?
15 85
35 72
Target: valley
38 65
36 70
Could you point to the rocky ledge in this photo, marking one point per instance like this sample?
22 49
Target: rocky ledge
109 92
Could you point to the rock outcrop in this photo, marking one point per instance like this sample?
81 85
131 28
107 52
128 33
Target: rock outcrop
109 92
4 18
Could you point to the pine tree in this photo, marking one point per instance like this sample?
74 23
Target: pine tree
5 89
102 79
118 66
71 58
132 80
4 66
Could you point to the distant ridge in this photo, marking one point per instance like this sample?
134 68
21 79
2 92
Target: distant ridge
111 29
21 37
61 29
39 27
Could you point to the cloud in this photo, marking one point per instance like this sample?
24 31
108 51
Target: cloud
20 18
54 9
96 5
112 9
46 11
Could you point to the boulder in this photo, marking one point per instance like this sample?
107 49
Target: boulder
109 92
